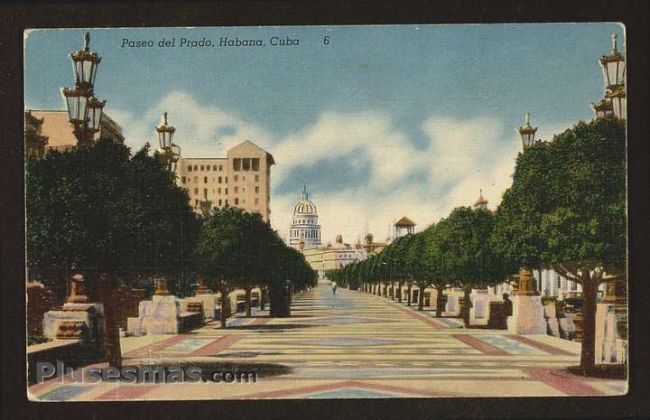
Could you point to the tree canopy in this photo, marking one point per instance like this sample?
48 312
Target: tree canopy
100 209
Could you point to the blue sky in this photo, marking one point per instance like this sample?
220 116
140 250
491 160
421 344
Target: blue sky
384 121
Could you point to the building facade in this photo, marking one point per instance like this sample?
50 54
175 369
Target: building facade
304 229
241 179
55 126
333 257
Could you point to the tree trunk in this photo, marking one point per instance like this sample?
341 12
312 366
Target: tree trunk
440 300
225 306
263 297
249 301
421 298
113 351
466 306
399 292
589 293
408 298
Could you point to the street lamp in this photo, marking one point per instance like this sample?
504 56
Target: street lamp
613 66
84 110
603 108
170 151
527 133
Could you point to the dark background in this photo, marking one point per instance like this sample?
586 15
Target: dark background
15 18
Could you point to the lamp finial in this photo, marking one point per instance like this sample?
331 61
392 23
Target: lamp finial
165 117
527 118
614 37
86 41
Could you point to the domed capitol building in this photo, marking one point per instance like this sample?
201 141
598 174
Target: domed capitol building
304 225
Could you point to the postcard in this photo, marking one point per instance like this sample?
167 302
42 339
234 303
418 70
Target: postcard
326 212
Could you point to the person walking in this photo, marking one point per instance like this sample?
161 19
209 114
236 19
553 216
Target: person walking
333 287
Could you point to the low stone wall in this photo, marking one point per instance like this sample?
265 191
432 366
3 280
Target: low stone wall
40 299
69 353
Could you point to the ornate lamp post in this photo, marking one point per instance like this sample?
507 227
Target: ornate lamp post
526 283
527 132
613 66
169 151
84 110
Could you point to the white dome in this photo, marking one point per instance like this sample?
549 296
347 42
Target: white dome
305 207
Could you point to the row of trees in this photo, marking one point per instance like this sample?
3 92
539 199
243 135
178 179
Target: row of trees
237 249
565 210
455 252
100 209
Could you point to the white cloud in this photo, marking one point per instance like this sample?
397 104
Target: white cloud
197 127
461 157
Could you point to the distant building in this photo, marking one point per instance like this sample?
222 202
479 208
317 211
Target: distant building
305 230
481 203
403 226
333 257
371 247
35 141
55 126
241 179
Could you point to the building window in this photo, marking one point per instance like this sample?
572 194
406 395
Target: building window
257 189
196 191
236 178
246 164
207 168
257 178
202 167
243 190
205 193
236 189
219 190
196 179
226 180
196 203
219 202
196 167
257 201
221 167
226 201
236 201
205 179
256 164
183 180
189 168
214 167
236 164
219 180
226 191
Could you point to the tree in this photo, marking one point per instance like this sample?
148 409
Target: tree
566 209
233 250
100 210
465 253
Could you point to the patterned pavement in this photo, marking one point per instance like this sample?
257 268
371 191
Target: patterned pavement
351 345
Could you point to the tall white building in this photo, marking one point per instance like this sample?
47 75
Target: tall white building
304 224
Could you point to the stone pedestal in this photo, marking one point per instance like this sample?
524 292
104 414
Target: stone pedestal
527 309
609 335
158 316
84 321
527 315
210 302
479 312
453 307
550 314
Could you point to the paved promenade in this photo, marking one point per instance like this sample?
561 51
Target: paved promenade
351 345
